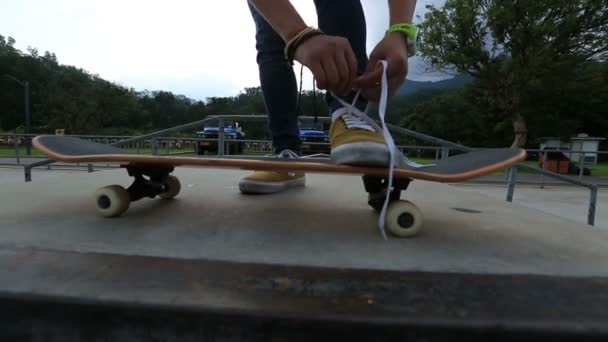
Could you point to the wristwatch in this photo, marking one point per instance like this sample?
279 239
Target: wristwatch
410 32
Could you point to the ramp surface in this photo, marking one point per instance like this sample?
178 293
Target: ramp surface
326 224
309 255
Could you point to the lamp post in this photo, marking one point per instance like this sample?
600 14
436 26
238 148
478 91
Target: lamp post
28 116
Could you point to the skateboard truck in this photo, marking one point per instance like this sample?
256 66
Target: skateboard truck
151 187
376 187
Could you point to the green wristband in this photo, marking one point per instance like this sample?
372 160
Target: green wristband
411 33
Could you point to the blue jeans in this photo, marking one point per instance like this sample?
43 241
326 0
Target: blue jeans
343 18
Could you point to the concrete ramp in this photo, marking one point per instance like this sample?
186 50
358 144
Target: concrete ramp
310 255
326 224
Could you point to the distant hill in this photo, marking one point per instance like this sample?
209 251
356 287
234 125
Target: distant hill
410 87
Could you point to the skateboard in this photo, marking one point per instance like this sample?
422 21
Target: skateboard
152 174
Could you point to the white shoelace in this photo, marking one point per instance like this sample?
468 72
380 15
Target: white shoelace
354 118
288 154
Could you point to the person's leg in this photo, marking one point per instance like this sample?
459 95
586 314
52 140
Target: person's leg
352 141
345 18
279 86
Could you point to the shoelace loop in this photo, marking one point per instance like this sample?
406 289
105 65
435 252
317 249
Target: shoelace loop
353 122
288 154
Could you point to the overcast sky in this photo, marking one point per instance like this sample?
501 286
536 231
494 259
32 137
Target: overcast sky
198 48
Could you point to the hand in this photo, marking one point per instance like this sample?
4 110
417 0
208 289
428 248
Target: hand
331 60
393 49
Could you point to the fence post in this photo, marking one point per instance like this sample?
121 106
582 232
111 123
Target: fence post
154 146
445 152
28 173
542 176
512 179
17 150
220 141
592 205
581 166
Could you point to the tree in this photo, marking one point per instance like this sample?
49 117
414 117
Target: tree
577 104
454 115
249 101
512 46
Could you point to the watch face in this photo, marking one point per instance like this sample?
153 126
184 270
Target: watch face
410 34
412 46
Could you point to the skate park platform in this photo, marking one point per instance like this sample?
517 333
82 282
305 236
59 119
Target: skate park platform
307 264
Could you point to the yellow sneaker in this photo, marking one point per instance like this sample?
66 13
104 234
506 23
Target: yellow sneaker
267 182
356 142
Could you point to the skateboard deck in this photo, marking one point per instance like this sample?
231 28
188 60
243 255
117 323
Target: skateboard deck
152 174
453 169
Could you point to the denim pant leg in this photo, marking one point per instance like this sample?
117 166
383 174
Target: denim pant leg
345 18
279 86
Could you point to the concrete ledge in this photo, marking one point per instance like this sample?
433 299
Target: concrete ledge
55 286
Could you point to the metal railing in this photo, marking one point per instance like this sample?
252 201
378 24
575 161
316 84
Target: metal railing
160 140
512 173
171 145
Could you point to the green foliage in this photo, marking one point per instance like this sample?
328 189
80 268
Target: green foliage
453 116
531 59
561 107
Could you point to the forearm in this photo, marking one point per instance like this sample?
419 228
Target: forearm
401 11
282 16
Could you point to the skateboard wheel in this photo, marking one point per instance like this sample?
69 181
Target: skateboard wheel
171 187
112 200
403 219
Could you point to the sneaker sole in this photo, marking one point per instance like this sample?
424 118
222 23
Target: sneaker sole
256 187
362 153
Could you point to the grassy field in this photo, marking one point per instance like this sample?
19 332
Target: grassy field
599 169
9 151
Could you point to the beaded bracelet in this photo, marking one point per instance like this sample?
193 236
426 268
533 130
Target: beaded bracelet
297 40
